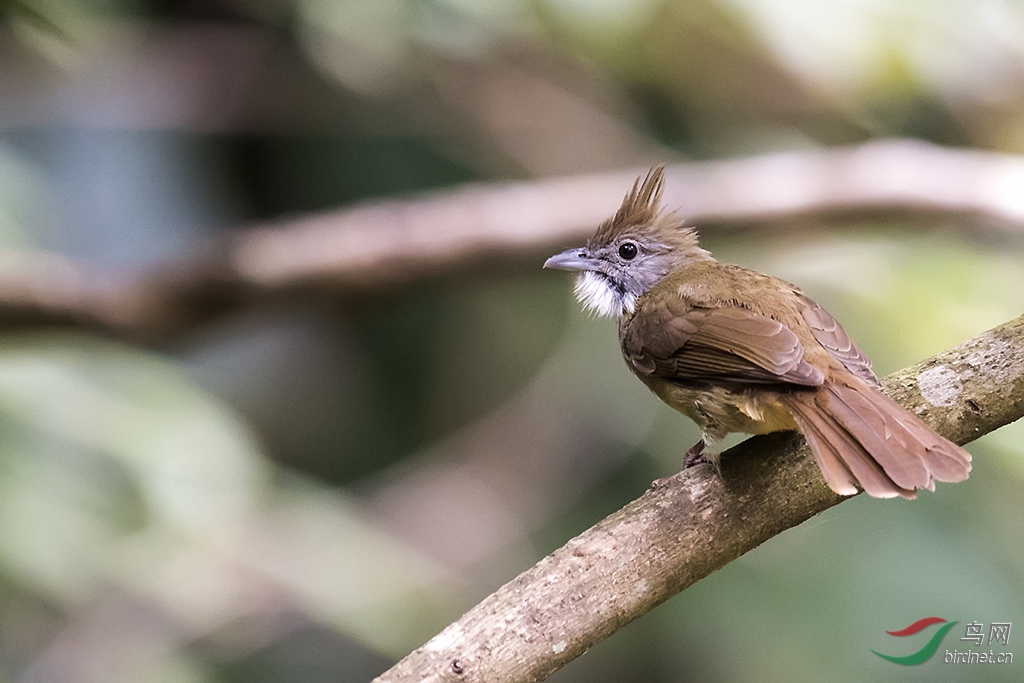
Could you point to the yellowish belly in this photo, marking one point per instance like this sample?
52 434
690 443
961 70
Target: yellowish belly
752 411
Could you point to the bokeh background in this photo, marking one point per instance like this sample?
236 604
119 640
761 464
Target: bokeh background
311 485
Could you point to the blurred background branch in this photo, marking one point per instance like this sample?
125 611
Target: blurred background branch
381 245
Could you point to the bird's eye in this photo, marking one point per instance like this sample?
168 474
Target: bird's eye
628 251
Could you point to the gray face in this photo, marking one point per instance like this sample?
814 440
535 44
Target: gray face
614 275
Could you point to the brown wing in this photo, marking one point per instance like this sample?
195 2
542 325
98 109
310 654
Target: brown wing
831 335
729 345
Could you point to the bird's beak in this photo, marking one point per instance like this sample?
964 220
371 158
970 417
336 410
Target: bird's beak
572 259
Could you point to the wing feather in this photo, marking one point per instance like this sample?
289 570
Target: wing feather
729 344
831 335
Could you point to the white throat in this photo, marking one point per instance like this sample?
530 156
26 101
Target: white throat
597 296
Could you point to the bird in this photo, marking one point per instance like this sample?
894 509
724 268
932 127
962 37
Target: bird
736 350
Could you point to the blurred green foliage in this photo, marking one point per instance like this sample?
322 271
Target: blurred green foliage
308 490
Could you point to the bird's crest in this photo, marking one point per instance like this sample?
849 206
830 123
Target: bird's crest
641 214
641 206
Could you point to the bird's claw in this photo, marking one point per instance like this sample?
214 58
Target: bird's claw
694 456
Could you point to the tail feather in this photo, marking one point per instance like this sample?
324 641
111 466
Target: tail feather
898 452
837 475
859 435
833 444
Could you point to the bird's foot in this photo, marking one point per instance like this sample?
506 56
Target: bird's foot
694 456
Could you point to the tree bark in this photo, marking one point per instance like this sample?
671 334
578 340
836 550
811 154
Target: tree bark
685 527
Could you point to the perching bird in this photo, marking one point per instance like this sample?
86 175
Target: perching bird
738 351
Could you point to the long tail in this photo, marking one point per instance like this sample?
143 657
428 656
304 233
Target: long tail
860 436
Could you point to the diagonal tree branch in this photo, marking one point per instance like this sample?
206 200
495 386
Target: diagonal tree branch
687 526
